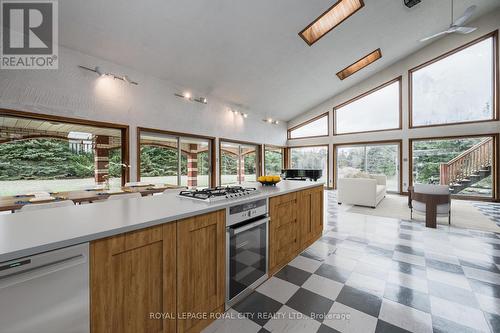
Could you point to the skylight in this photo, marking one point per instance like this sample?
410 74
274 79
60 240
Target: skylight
335 15
360 64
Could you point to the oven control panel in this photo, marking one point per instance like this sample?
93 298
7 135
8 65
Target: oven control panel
246 211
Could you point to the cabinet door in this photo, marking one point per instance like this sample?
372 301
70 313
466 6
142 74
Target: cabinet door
201 274
310 215
132 277
283 230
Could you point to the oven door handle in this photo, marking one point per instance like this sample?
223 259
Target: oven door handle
250 226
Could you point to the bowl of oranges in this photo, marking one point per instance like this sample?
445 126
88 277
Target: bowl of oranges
269 180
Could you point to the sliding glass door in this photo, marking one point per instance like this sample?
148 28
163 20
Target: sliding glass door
175 160
310 158
369 158
238 162
466 164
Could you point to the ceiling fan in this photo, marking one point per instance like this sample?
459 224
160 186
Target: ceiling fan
457 25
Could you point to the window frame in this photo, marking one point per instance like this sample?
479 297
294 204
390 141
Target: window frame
495 173
125 130
283 163
326 114
180 135
398 142
258 152
367 93
288 161
495 78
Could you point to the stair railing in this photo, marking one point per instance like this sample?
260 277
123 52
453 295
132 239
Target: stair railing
467 163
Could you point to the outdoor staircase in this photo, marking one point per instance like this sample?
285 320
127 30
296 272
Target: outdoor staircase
468 168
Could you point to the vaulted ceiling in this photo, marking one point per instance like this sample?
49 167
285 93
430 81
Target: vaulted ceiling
249 52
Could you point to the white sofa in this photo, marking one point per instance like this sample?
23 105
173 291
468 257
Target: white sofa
362 191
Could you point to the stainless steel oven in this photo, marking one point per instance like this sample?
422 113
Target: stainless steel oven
247 249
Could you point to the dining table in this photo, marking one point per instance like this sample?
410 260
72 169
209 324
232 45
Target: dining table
15 202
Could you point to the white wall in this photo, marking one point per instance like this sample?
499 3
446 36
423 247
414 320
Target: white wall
74 92
485 24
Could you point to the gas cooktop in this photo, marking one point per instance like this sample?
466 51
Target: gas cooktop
219 193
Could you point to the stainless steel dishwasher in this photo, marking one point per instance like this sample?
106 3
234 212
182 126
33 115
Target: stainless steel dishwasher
46 293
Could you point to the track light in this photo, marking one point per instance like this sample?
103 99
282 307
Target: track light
236 112
188 96
99 71
271 121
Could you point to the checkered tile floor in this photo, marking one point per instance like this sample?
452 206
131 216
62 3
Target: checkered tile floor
371 274
492 210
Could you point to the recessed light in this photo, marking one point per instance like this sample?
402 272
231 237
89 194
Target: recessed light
360 64
187 95
336 14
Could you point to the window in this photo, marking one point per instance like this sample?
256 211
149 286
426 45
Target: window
310 158
273 160
466 164
457 87
313 128
238 162
376 110
55 154
372 158
177 160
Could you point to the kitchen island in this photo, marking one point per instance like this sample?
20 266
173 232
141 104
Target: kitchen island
158 263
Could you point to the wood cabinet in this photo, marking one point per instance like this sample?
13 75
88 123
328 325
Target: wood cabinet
283 230
296 221
132 276
310 215
201 245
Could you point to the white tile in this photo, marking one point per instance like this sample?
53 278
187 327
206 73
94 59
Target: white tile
306 264
372 269
459 313
232 322
442 257
278 289
366 283
323 286
482 275
409 258
348 320
350 253
405 317
456 280
291 321
341 262
380 262
408 281
489 304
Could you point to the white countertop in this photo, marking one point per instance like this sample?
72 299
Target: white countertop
28 233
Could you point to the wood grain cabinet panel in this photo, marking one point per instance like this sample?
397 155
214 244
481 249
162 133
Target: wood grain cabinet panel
283 230
133 275
201 275
310 215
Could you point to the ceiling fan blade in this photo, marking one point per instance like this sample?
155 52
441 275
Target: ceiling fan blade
466 16
465 30
436 35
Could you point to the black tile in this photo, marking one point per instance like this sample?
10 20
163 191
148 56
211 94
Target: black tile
444 266
493 320
263 330
485 288
441 325
483 234
409 269
408 297
310 304
385 327
333 273
326 329
487 266
409 250
293 275
258 308
360 300
450 293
